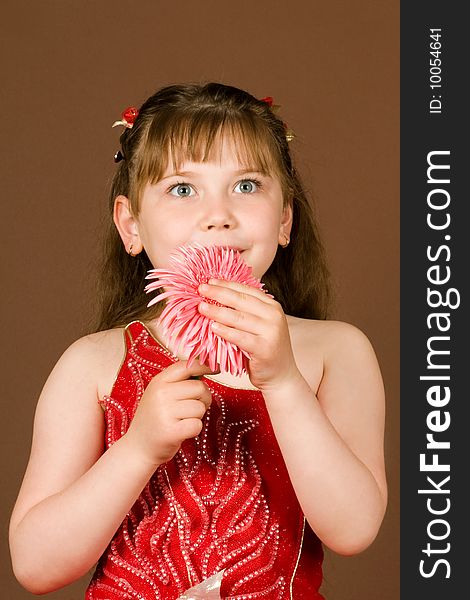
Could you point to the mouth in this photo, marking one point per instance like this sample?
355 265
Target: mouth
238 249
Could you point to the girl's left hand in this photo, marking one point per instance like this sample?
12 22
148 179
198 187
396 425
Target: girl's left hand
257 324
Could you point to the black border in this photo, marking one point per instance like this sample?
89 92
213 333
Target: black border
421 133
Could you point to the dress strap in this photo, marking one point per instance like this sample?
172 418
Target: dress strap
132 330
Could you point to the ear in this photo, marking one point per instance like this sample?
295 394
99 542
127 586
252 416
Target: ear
286 223
126 224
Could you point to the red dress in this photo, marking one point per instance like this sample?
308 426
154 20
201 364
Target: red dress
225 501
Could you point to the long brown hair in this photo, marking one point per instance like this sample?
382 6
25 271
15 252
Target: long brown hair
182 122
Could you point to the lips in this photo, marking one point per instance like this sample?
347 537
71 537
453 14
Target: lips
237 248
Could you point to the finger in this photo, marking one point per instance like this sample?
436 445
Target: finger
233 318
238 299
179 371
199 391
189 409
189 428
242 339
191 389
241 287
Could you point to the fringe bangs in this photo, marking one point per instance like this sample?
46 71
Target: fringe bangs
198 136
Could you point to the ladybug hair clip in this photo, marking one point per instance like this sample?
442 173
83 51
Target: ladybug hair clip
128 117
269 100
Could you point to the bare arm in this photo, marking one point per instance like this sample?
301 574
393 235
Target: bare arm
332 442
74 497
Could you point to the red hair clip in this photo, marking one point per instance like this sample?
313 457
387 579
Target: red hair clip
269 100
128 117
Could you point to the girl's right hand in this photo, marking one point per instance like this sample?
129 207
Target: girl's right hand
170 411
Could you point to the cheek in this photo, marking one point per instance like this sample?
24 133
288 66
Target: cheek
161 242
164 229
264 216
270 226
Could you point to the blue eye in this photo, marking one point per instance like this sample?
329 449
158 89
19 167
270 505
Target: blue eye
183 190
248 186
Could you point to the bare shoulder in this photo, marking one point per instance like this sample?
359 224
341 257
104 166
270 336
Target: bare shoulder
329 341
103 353
320 346
96 357
346 348
328 334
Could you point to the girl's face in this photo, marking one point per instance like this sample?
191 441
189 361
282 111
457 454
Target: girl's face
220 203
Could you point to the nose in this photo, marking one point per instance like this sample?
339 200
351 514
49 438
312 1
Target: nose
218 214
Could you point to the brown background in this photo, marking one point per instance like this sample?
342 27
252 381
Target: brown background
69 69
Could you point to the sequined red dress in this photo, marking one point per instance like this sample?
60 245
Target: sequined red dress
224 501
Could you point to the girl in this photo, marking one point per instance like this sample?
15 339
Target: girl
176 477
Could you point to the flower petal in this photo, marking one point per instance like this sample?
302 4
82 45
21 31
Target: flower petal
180 318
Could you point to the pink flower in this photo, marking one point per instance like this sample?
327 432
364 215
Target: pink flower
181 320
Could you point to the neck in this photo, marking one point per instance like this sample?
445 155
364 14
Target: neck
157 332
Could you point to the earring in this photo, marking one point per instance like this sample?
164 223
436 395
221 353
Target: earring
130 251
286 241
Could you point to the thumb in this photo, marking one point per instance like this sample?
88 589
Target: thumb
209 372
